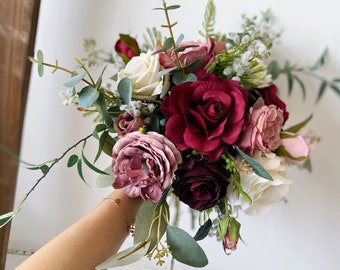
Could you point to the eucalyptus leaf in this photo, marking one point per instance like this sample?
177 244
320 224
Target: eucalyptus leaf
125 90
203 231
125 257
179 39
87 96
274 69
184 248
74 80
40 57
105 180
151 223
258 169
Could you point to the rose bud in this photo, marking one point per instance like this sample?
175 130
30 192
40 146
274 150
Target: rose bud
127 47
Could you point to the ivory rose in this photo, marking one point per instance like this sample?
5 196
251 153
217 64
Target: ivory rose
263 192
144 164
142 71
262 130
204 53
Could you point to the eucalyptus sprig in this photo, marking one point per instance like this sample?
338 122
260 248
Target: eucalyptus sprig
292 73
46 167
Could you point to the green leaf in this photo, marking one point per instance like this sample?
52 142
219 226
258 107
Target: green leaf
87 96
91 166
151 223
101 107
44 169
99 128
223 224
321 90
296 128
40 58
125 90
167 44
258 169
5 218
274 69
100 78
289 77
321 61
172 7
301 85
72 160
105 180
184 248
335 88
80 170
234 230
125 257
74 80
165 71
203 231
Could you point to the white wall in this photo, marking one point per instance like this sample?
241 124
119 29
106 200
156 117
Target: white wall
301 234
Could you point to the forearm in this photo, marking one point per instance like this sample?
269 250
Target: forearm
89 241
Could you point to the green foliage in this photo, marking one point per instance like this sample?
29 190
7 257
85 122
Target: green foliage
125 90
184 248
258 169
40 57
151 223
87 96
292 73
209 23
125 257
203 231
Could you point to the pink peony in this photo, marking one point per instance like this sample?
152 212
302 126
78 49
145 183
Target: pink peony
262 131
144 164
127 122
205 53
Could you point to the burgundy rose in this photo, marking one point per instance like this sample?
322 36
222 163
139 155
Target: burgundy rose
200 184
269 95
262 129
205 53
205 115
127 122
127 47
144 164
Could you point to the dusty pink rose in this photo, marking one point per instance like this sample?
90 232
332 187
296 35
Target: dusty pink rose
269 95
203 52
127 122
262 131
296 146
144 164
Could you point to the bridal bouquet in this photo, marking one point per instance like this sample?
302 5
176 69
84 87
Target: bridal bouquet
196 121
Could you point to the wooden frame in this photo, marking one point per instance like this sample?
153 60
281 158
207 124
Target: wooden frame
18 22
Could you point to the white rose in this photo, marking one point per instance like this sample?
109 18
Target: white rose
142 71
264 193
